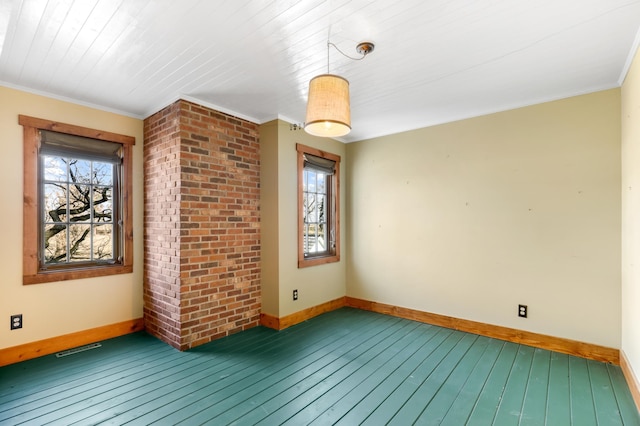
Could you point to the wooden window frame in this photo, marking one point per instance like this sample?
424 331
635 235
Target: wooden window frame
31 272
334 202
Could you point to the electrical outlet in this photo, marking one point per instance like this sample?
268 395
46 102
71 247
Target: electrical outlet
295 294
522 311
16 321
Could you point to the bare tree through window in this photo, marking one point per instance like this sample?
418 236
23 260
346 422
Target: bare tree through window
315 200
78 210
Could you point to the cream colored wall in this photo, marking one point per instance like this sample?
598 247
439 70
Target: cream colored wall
631 216
54 309
269 219
470 219
316 284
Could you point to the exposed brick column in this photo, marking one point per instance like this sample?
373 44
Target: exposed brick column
211 255
162 224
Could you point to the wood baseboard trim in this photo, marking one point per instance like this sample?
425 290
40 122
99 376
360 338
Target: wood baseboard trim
56 344
558 344
632 380
269 321
300 316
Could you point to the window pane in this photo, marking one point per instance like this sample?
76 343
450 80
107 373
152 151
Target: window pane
55 243
102 174
55 202
312 238
321 239
55 169
321 183
312 181
103 242
79 203
80 171
310 208
79 243
321 208
305 236
313 213
305 203
102 204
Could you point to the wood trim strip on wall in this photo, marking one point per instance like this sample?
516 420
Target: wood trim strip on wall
300 316
55 126
632 380
558 344
56 344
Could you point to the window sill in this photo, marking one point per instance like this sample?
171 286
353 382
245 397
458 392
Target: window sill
76 274
314 261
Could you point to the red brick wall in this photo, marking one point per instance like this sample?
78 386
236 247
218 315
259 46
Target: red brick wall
202 225
161 224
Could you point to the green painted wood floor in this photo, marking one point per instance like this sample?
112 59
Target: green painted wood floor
346 367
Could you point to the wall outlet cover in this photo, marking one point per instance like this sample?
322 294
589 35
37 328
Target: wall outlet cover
522 311
16 321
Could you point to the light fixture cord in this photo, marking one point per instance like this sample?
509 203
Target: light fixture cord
343 54
328 44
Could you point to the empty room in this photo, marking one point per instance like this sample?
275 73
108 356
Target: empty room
320 212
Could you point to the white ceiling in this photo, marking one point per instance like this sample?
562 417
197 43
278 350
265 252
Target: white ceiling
435 61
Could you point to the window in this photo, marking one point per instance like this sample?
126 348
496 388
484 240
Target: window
77 203
318 207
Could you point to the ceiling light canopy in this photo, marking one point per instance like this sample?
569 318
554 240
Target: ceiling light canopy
328 105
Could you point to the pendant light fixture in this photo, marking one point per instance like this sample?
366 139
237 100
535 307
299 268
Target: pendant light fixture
328 105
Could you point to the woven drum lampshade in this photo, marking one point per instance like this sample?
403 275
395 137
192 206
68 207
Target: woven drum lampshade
328 109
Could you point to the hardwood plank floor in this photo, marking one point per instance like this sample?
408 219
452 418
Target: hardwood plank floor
345 367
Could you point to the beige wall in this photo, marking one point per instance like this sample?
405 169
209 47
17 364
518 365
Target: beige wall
631 216
471 218
54 309
466 219
269 220
279 226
